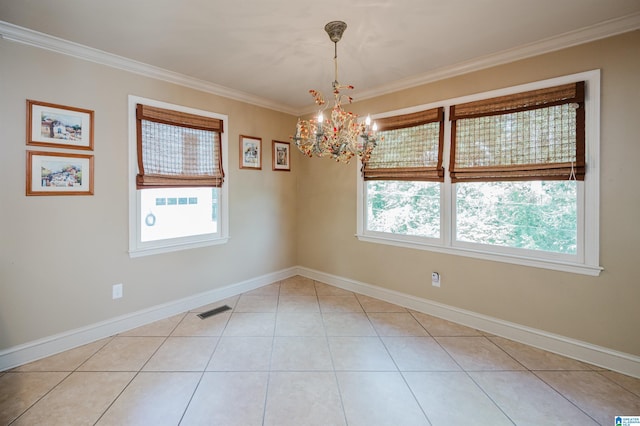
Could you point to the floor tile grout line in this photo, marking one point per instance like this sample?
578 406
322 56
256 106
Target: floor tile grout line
466 372
26 410
564 396
612 381
109 340
489 396
333 364
165 338
273 342
534 372
69 373
195 389
197 386
415 397
404 379
421 325
507 353
116 397
381 340
398 369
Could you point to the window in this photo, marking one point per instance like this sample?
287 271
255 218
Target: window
522 184
403 174
178 195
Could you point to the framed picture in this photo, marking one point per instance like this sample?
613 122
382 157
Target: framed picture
56 173
280 155
59 126
250 152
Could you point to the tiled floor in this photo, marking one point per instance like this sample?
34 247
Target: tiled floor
300 352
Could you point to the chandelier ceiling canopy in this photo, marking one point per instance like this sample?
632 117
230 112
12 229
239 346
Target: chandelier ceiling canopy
341 135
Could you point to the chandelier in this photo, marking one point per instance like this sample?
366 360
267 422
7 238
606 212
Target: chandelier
340 136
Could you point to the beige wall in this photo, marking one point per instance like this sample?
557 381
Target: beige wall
600 310
59 256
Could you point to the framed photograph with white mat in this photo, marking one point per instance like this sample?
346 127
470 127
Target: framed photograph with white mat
250 152
59 126
280 153
57 173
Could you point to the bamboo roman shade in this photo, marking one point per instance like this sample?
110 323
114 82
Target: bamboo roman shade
177 149
535 135
410 148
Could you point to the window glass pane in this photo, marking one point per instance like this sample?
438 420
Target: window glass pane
535 215
406 208
178 212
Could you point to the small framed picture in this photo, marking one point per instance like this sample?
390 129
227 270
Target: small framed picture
54 173
59 126
250 152
280 155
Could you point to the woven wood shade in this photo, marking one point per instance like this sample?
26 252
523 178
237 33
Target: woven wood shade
176 149
535 135
411 148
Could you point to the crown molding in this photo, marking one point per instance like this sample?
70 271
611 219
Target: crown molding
573 38
44 41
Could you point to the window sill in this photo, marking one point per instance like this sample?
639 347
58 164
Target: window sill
166 248
571 267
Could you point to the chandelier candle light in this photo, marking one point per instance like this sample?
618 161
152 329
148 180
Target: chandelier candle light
341 136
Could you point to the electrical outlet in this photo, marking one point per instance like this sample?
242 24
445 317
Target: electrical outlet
435 279
117 291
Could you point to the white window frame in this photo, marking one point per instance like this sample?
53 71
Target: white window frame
586 261
138 248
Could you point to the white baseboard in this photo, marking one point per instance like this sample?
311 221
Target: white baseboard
582 351
51 345
602 357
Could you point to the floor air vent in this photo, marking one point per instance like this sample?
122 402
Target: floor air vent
214 311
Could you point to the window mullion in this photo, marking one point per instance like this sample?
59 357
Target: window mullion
447 196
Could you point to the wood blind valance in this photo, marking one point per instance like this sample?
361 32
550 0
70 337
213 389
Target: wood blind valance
177 149
410 148
534 135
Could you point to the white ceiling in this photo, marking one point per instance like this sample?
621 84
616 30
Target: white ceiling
271 52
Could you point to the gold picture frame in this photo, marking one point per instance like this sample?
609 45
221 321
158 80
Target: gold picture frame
59 173
59 126
250 152
281 156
